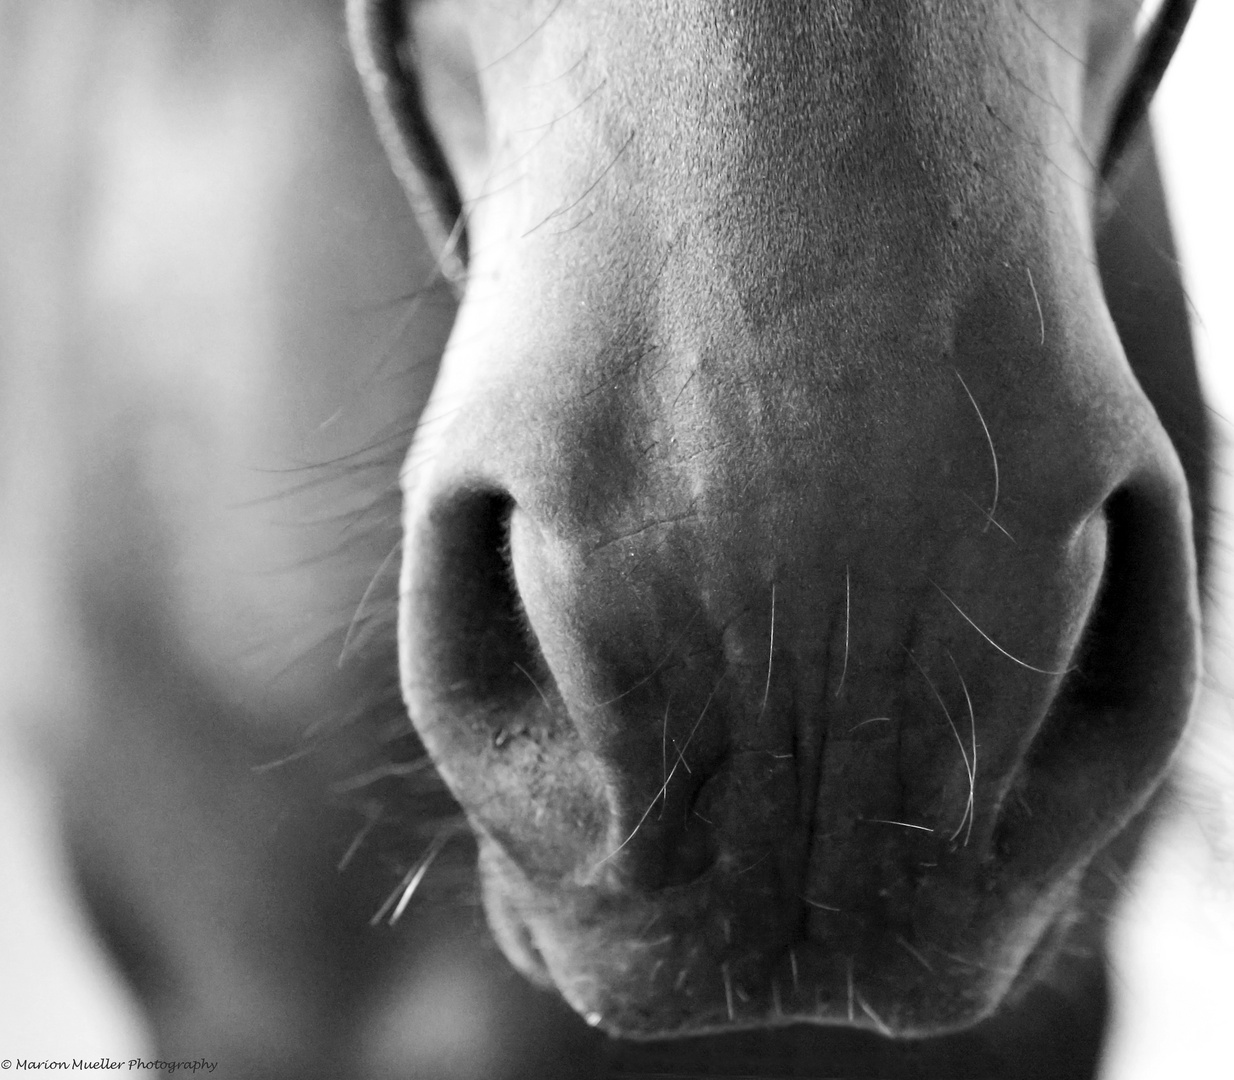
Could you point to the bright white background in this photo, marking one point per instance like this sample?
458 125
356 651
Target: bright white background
1176 955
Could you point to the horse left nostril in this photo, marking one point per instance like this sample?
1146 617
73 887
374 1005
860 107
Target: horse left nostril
478 690
463 615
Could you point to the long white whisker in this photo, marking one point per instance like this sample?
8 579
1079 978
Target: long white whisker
946 712
650 806
770 654
972 772
816 904
902 824
968 769
872 720
381 772
406 889
848 610
988 438
989 520
1036 300
668 655
664 743
527 675
1014 659
878 1023
371 819
352 626
915 953
681 757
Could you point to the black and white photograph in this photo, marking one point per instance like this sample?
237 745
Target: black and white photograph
617 539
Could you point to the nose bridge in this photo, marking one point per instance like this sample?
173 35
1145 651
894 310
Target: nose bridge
797 217
816 138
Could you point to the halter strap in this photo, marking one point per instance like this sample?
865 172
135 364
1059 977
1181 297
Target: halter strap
1161 40
379 38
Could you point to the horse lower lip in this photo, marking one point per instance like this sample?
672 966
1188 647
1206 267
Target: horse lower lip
648 971
810 984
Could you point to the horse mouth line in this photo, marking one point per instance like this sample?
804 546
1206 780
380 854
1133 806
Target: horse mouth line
679 985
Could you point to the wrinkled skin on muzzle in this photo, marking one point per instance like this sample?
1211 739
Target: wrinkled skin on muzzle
798 588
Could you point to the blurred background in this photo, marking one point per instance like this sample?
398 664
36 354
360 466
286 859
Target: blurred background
178 170
1175 937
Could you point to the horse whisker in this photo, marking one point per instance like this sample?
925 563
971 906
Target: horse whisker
990 520
902 824
681 760
770 654
406 889
668 655
872 720
816 904
664 743
527 674
650 806
372 816
971 765
883 1029
946 712
345 649
1036 300
988 438
381 772
915 953
757 862
1014 659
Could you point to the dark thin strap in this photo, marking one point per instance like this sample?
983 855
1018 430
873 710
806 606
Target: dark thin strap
377 29
1161 41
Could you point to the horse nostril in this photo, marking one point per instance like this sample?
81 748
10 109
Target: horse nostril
1111 730
1119 654
481 697
1134 623
465 626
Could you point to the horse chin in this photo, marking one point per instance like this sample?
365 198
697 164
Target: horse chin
681 964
